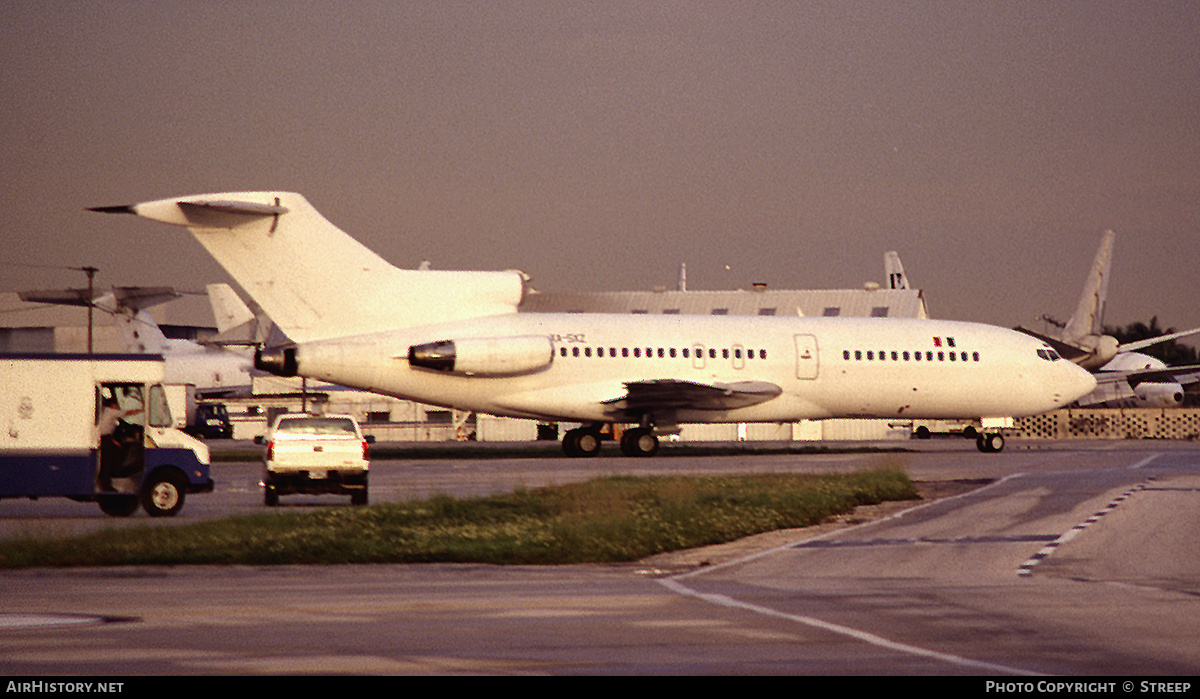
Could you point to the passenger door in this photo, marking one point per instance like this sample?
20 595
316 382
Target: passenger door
807 362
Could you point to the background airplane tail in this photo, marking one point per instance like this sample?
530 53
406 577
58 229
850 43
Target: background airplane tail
896 278
229 311
313 280
1089 314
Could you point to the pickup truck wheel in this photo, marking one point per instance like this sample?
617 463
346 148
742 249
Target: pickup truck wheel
358 498
117 505
163 495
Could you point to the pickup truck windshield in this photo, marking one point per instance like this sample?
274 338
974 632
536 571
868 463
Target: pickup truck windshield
318 426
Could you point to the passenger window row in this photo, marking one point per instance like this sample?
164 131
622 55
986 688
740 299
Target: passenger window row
906 356
663 352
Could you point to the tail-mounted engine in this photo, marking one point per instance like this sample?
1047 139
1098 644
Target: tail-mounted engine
280 361
485 356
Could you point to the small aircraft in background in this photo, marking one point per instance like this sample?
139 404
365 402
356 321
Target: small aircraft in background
211 369
1125 377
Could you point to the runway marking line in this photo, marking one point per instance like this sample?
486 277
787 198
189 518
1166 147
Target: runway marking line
1144 461
1026 569
865 636
674 584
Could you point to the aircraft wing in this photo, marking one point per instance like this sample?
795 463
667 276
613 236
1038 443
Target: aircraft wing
1171 374
1181 375
1142 344
673 394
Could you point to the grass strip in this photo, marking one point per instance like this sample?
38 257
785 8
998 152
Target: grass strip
611 519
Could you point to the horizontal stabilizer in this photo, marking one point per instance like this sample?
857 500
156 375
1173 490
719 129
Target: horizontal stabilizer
135 297
58 297
199 213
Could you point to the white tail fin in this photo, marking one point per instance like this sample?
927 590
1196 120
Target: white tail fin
316 282
1089 314
139 331
228 308
896 278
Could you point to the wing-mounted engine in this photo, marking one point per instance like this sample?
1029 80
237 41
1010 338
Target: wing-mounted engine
485 356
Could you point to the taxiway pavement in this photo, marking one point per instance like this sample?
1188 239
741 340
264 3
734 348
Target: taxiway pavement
1078 559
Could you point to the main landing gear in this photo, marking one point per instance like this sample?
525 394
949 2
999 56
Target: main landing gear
989 442
639 441
585 441
582 441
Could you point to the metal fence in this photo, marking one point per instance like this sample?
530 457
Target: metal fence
1129 423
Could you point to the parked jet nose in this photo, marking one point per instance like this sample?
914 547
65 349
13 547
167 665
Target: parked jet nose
1070 382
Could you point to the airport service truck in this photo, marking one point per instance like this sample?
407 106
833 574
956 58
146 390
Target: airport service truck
199 419
95 427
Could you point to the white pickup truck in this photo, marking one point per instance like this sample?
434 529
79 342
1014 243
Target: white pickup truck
315 454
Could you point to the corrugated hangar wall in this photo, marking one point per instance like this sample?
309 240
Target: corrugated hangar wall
1127 423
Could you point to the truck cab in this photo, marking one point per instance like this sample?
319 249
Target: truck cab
211 422
95 428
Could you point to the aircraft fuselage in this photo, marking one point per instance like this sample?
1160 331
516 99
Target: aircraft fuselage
844 367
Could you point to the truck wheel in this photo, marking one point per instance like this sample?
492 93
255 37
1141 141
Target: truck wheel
118 505
990 443
163 495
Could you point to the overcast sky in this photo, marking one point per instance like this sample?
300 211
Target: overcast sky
596 146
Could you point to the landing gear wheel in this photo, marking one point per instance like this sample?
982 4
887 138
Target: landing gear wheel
639 441
270 496
990 443
163 495
581 442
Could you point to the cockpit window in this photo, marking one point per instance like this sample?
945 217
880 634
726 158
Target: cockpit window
1048 354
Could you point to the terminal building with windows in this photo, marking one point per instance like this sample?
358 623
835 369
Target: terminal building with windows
870 301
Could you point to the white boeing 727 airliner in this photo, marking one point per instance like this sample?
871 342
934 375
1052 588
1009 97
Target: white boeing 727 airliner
455 339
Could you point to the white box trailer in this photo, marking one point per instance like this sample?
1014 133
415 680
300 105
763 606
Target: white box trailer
95 427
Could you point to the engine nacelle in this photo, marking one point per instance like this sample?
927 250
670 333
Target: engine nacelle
485 356
280 361
1102 348
1158 395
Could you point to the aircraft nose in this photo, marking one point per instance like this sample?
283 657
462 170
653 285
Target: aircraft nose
1073 382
